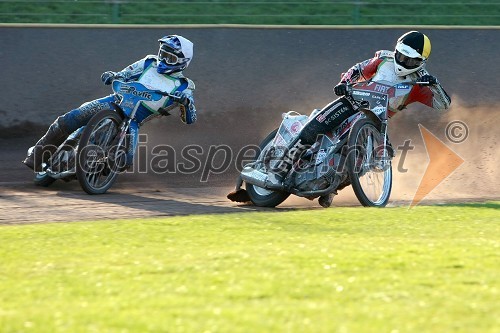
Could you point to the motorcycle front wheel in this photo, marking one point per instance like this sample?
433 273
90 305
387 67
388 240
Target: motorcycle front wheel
260 196
98 159
369 168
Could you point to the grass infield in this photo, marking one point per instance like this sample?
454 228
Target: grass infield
283 12
428 269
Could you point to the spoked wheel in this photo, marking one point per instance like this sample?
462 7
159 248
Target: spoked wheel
368 165
261 196
99 159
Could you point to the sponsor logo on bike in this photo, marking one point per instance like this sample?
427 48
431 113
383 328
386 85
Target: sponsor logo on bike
378 110
132 90
336 114
127 104
379 97
360 93
341 127
381 88
296 127
321 118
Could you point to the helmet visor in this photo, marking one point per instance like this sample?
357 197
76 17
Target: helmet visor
167 57
407 62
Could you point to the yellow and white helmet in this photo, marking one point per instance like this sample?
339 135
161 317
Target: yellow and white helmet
412 50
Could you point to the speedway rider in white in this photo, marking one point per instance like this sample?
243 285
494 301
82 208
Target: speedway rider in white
406 63
161 72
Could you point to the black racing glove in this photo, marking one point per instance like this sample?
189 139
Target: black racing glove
428 79
340 89
107 77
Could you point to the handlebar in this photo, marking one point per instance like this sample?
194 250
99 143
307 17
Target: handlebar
173 97
423 83
350 86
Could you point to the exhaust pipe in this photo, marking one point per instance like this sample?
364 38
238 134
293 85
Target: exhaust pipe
258 178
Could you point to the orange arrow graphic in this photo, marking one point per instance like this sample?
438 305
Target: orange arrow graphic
442 162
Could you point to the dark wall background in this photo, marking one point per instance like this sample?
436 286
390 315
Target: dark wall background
245 79
48 71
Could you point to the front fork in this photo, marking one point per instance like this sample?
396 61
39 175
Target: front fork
387 156
383 130
129 128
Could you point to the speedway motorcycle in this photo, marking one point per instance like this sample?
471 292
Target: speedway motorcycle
357 153
96 153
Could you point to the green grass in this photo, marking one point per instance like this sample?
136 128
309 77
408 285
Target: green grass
305 12
428 269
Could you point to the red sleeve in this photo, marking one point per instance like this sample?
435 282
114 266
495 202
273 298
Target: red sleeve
364 70
420 94
369 70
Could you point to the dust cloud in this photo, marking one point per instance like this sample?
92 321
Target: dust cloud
475 178
476 144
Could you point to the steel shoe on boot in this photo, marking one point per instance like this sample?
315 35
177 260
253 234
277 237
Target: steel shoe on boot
29 161
34 159
325 201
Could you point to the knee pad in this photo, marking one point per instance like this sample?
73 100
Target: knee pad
57 129
72 120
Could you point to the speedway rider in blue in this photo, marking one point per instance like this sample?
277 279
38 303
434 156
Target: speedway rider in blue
162 72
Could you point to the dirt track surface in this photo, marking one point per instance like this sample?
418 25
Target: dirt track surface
133 196
22 202
25 204
136 196
239 104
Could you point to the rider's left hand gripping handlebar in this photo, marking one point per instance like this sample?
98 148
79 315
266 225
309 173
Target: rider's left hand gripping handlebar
180 97
177 96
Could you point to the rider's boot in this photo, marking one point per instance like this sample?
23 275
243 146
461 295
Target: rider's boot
275 178
239 194
325 201
44 148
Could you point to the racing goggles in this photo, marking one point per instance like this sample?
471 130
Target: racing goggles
168 57
408 62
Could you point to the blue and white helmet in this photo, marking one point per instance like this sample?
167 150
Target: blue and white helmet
175 54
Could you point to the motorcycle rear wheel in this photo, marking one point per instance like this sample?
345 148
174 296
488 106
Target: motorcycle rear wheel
94 171
371 176
260 196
